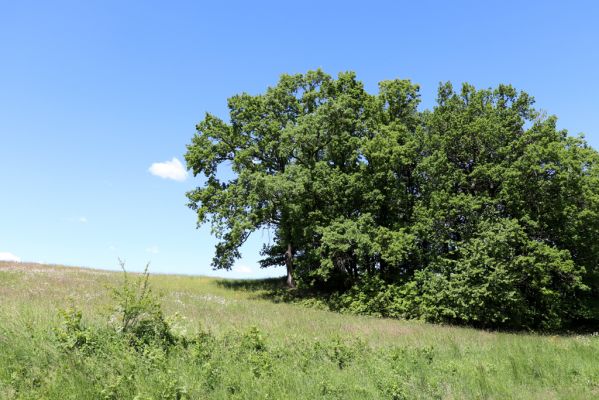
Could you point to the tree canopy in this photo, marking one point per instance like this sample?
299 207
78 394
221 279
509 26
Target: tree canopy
479 211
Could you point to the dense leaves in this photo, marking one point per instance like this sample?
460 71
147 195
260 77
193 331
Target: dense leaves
479 211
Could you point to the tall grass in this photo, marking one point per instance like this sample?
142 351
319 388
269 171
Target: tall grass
228 342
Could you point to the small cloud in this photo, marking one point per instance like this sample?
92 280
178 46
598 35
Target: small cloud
112 248
169 170
243 269
153 250
82 220
6 256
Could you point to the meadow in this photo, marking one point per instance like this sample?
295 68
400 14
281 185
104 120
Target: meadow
59 339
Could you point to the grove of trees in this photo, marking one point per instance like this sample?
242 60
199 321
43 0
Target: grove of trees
479 211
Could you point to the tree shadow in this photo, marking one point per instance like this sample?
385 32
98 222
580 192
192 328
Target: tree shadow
272 289
253 285
277 291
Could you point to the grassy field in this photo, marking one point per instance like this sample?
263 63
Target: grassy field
235 343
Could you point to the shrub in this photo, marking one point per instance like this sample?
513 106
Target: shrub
500 278
371 296
138 313
72 334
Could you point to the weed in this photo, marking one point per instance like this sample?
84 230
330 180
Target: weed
138 312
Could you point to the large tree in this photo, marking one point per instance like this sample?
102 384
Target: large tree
506 214
478 211
289 153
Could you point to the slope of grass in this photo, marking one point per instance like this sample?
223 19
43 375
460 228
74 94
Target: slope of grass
235 343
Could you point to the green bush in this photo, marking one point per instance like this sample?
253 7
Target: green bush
138 314
371 296
500 278
72 334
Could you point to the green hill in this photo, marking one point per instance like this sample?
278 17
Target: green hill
231 341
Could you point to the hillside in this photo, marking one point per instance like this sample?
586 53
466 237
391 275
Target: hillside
233 342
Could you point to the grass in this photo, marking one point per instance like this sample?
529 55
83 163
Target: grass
236 343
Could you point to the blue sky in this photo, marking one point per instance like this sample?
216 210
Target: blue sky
93 93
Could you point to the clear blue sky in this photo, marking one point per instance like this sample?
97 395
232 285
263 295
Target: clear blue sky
92 93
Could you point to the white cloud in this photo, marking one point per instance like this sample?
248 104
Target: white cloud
153 249
112 248
243 269
80 220
6 256
169 170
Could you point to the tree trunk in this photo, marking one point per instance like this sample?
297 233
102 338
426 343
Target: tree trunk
289 265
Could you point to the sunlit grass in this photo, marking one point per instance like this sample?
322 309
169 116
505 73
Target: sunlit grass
387 358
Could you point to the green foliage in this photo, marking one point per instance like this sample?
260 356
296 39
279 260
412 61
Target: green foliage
253 340
138 314
500 278
479 211
71 334
371 296
342 353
